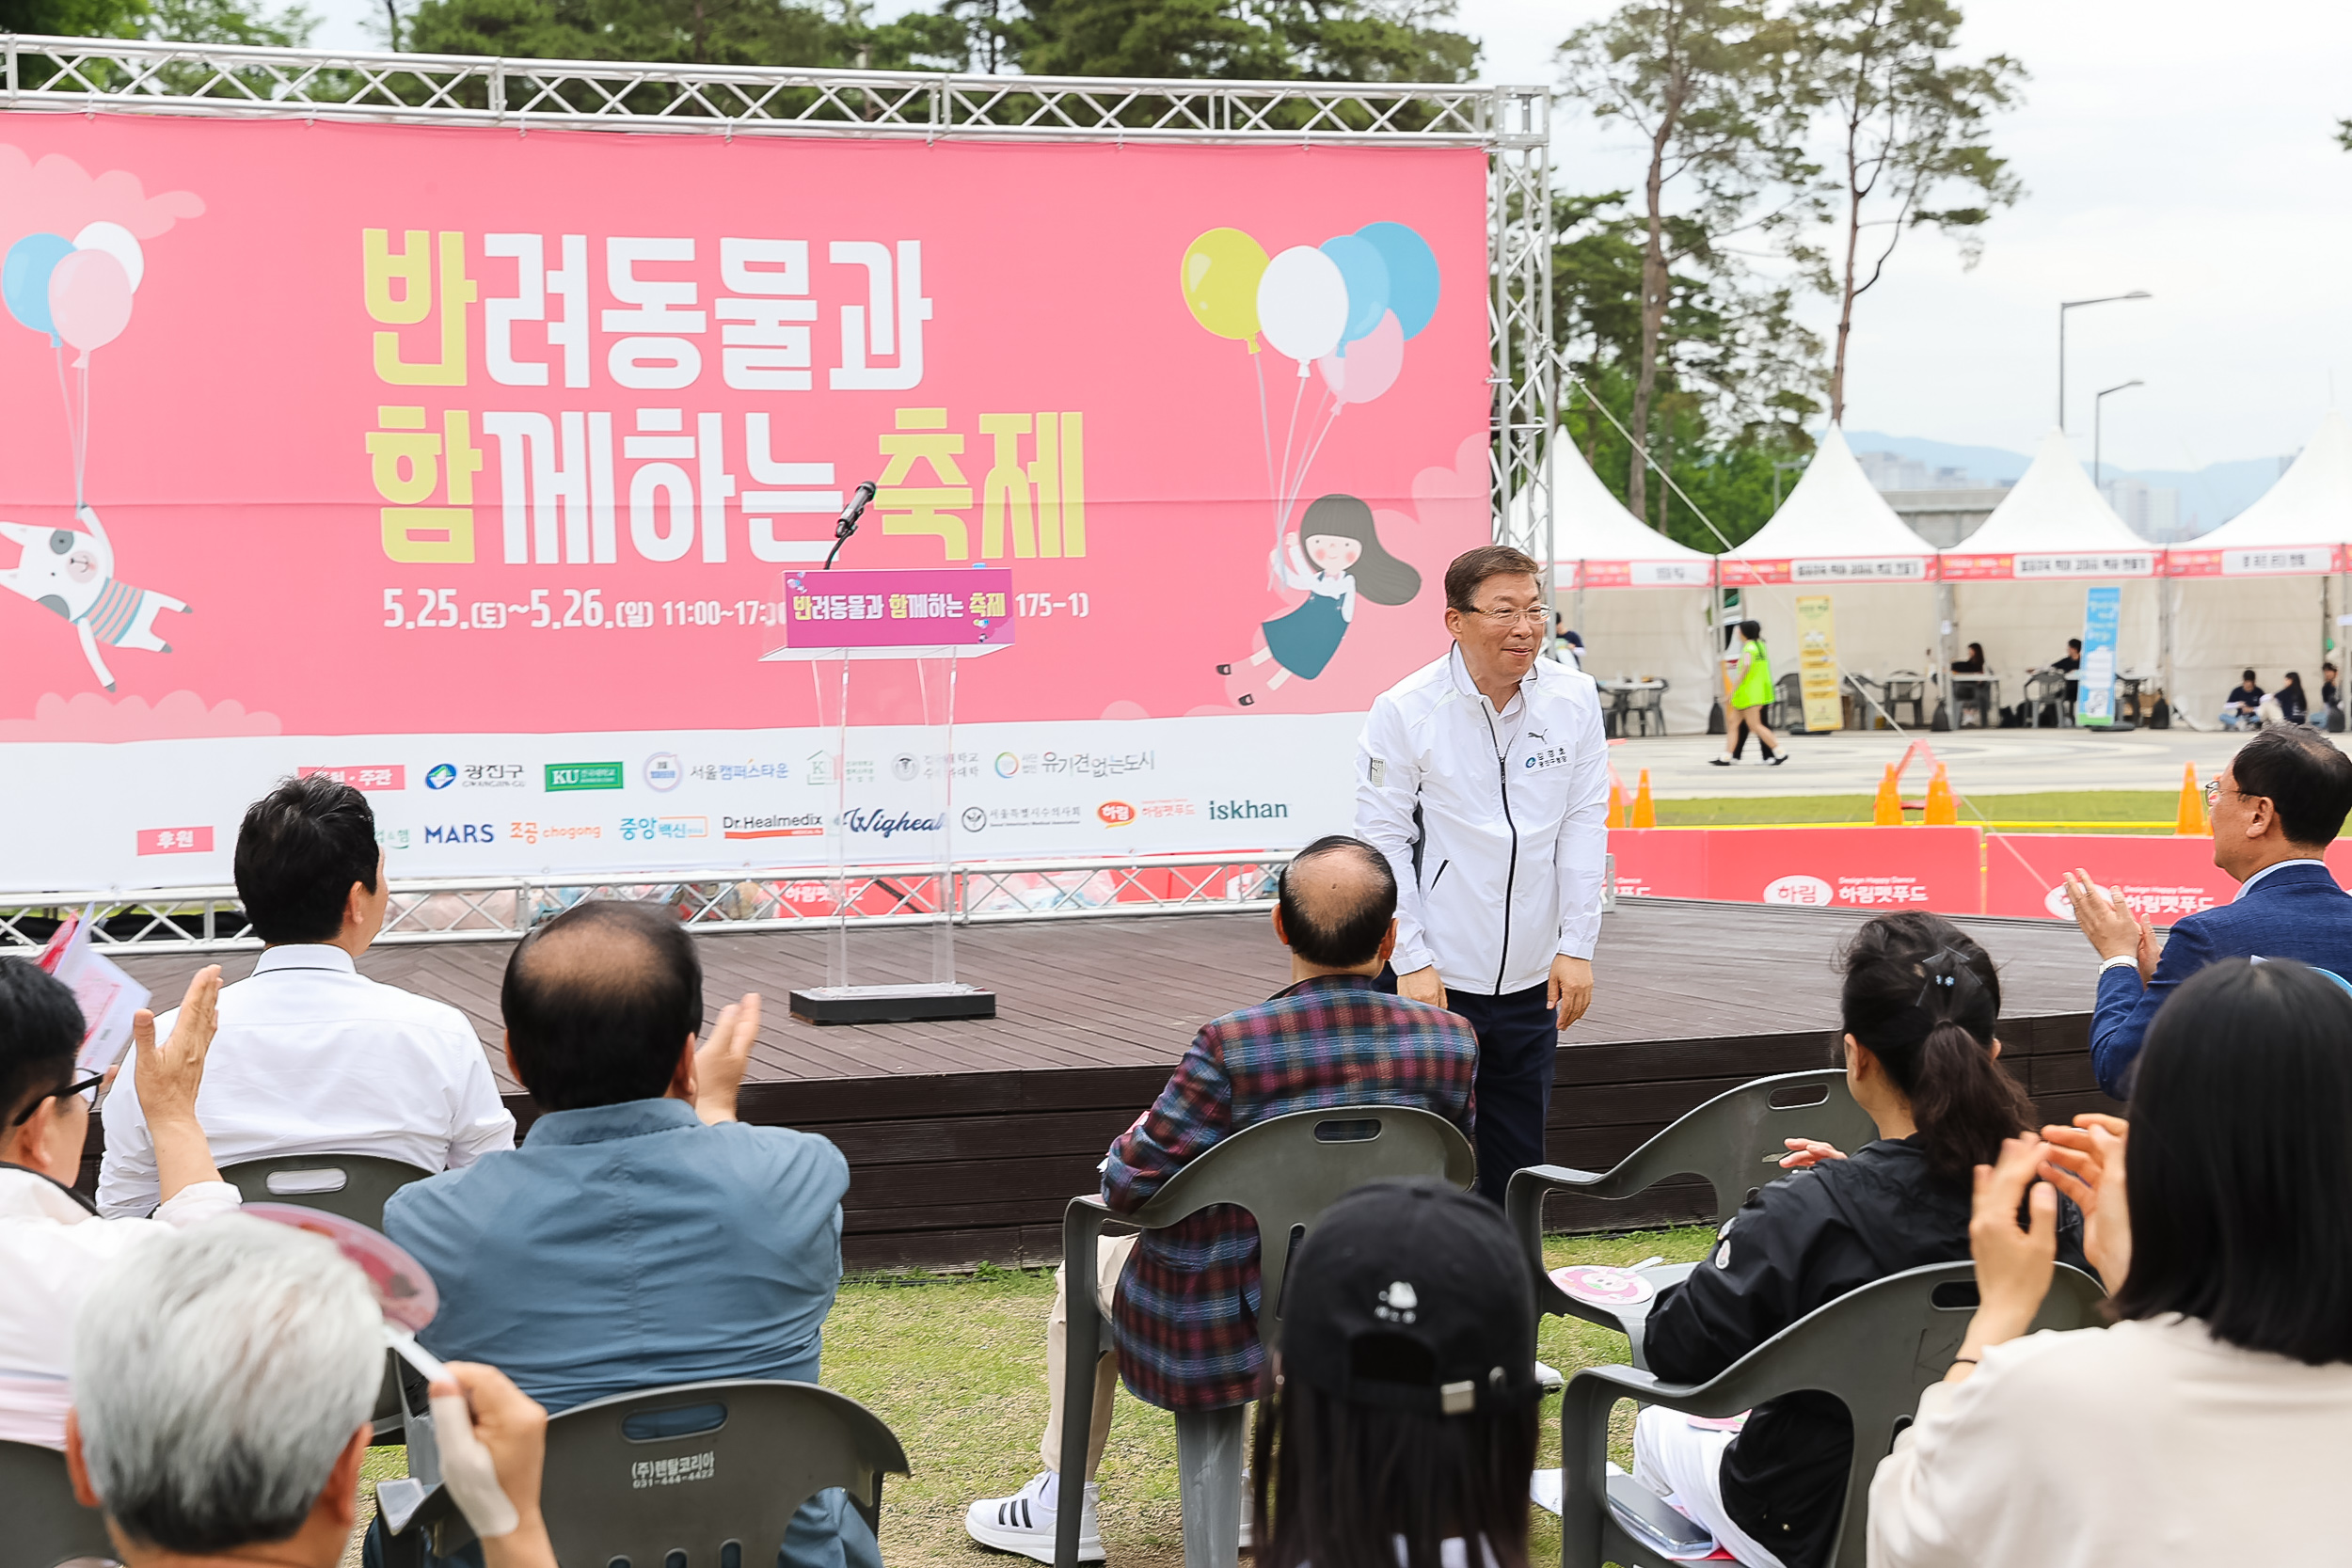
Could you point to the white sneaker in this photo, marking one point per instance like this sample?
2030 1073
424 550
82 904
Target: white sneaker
1249 1506
1549 1378
1025 1521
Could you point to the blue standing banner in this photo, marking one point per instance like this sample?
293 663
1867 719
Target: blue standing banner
2094 701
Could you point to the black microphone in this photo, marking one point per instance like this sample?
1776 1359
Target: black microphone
860 500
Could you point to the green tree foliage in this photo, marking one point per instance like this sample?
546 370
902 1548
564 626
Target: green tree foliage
1907 127
226 21
682 32
1337 41
73 18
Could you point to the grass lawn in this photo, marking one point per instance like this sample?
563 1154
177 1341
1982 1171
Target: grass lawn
957 1365
2076 805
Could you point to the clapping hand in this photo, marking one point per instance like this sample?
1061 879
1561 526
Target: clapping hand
512 1431
720 1065
2014 1264
2086 1162
1806 1153
170 1073
2109 922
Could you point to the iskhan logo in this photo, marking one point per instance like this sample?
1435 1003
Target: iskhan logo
1247 811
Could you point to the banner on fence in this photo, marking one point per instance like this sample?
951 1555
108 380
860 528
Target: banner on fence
433 450
1848 868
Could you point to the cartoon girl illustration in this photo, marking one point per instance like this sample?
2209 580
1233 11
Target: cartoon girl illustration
1338 537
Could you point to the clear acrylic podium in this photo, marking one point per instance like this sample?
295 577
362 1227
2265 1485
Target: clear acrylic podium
891 838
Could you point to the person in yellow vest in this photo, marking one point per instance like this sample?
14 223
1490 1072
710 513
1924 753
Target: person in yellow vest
1750 690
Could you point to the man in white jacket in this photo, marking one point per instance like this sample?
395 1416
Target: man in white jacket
1484 779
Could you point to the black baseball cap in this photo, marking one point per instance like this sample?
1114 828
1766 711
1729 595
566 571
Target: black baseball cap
1411 1295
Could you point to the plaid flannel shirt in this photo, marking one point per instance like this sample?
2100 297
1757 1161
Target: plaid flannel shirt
1187 1311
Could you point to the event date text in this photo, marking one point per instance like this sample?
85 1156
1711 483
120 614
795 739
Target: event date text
563 609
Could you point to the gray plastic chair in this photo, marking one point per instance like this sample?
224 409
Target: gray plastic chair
1735 1140
670 1478
2046 692
1285 1171
45 1525
1906 689
353 1185
1875 1348
1644 708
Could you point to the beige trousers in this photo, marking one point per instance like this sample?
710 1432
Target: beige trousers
1110 1257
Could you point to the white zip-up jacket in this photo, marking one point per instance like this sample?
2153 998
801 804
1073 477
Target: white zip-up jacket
1496 822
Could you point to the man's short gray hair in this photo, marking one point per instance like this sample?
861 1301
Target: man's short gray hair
218 1375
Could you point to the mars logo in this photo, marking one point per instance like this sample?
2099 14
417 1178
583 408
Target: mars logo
1797 889
1116 814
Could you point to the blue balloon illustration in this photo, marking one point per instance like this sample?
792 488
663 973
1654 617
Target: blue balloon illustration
1367 279
24 278
1412 273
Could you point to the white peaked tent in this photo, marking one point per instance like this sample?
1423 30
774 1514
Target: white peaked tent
1646 611
2016 585
2263 589
1836 535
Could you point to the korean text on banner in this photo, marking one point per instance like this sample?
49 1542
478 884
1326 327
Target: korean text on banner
2095 703
1817 662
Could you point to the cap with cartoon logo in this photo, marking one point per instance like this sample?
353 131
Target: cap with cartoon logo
1411 1295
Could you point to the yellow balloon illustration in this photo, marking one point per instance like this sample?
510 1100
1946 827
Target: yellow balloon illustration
1220 282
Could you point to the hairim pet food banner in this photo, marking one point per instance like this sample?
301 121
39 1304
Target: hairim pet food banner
472 465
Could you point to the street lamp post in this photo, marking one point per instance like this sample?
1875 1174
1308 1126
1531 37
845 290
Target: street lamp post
2098 415
2065 306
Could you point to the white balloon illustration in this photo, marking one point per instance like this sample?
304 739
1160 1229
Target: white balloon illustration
118 243
1302 305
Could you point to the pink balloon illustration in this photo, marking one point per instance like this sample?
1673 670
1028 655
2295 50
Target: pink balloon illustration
89 300
1371 365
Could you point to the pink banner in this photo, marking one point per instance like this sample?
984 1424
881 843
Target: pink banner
880 611
381 431
1849 868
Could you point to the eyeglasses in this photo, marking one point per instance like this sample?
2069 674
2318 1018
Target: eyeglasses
83 1087
2213 793
1503 617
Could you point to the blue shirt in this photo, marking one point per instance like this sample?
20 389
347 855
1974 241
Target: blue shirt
2293 910
627 1246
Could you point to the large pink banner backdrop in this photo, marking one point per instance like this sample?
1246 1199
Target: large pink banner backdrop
323 430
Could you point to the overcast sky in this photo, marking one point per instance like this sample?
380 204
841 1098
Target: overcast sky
2186 149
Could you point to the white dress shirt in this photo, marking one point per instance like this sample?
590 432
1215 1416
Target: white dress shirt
2148 1445
312 1057
52 1249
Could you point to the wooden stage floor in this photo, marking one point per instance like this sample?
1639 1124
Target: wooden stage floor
967 1139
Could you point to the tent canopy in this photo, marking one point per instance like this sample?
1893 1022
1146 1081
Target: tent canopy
2301 526
1834 527
2053 526
1598 544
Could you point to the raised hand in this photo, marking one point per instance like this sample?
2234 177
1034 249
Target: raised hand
170 1073
720 1065
2013 1265
2086 1162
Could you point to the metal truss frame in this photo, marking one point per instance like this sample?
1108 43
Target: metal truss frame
1511 124
455 910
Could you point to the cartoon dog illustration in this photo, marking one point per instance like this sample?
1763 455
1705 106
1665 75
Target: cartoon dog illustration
72 571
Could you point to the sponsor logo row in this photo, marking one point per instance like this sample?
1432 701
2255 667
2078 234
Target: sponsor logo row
665 770
862 821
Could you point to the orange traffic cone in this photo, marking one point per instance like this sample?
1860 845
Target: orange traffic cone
1887 811
1616 801
1943 811
2190 818
1644 814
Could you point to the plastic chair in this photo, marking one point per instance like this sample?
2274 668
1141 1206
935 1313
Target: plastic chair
1906 689
45 1525
670 1478
1285 1171
2046 692
353 1185
1874 1348
1647 708
1784 713
1735 1140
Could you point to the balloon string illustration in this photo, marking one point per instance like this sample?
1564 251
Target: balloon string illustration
1265 436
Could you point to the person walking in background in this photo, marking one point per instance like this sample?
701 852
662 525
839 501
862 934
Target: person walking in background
1751 691
1484 778
312 1057
2276 808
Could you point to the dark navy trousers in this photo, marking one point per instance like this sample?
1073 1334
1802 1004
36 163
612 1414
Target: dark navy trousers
1519 1043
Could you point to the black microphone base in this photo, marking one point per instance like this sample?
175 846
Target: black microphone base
911 1004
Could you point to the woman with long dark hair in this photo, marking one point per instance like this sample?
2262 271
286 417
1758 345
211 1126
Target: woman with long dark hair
1335 557
1920 1005
2215 1416
1396 1426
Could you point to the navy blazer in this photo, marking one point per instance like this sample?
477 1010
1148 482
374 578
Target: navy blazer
2296 911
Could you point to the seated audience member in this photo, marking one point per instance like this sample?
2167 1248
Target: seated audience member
1919 1004
641 1235
2276 808
2244 703
222 1381
2289 705
2204 1425
312 1057
1184 1300
1391 1436
1977 694
2071 667
53 1244
2330 713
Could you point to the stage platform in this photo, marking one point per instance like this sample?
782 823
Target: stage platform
965 1140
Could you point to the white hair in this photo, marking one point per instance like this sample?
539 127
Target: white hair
217 1376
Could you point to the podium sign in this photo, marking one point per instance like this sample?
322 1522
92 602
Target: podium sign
934 617
936 613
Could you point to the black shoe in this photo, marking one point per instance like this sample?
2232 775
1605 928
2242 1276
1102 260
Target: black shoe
1224 669
1775 759
1247 701
1720 761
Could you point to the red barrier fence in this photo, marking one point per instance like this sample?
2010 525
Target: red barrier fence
1961 870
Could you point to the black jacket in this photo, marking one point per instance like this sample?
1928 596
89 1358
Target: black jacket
1803 1241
